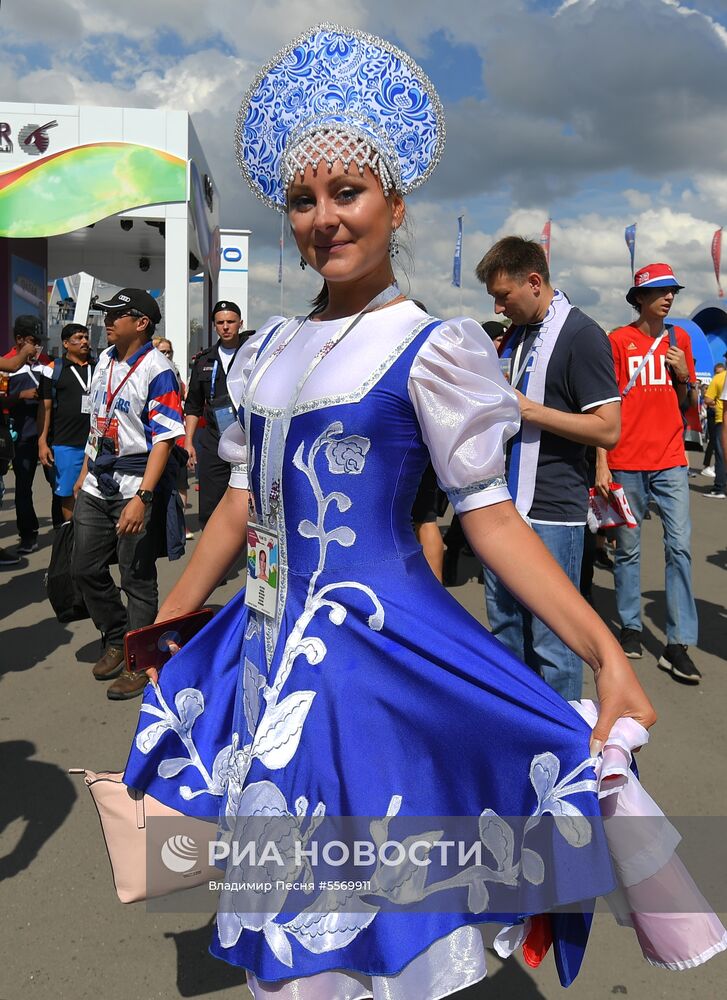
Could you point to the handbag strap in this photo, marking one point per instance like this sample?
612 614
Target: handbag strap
138 796
140 810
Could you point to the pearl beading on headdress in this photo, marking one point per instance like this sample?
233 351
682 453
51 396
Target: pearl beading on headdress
329 144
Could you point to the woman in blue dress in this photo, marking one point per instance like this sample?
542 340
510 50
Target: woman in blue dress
356 686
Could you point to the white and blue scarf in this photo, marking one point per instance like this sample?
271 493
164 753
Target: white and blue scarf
525 449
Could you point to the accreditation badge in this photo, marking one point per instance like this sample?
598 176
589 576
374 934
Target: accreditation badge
506 367
224 417
91 449
261 592
86 402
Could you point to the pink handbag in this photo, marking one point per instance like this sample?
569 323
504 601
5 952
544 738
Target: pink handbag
148 860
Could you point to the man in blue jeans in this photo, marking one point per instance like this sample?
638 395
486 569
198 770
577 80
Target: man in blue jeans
559 362
656 379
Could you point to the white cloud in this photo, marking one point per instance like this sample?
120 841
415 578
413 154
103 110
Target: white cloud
574 104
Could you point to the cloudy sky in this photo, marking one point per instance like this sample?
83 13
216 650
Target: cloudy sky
596 113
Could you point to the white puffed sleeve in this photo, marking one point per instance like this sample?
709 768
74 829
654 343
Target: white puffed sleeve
233 449
233 446
466 411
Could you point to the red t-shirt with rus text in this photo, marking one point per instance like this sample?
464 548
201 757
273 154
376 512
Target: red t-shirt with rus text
652 430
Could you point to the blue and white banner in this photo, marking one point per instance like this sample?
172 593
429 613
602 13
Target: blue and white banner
457 262
630 237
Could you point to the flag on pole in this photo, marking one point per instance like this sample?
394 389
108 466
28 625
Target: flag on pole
630 236
717 257
457 262
545 241
282 242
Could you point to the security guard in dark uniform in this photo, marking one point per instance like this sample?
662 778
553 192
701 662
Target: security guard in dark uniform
207 396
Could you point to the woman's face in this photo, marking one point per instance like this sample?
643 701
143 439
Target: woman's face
342 222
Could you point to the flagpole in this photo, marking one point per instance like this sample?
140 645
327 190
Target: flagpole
457 260
280 266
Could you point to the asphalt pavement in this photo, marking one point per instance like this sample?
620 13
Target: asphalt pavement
66 935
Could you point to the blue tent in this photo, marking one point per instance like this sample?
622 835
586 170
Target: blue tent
701 349
711 316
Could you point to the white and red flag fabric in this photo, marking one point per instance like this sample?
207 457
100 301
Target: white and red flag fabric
717 258
545 241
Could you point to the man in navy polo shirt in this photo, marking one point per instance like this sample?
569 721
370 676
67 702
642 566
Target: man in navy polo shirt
136 416
560 364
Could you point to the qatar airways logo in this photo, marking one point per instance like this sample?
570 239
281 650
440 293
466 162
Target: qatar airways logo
33 138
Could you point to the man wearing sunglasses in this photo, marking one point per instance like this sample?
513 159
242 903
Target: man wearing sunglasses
64 420
135 417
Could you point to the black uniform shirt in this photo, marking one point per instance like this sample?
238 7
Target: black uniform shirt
208 387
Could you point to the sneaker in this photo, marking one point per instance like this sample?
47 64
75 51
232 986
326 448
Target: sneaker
630 640
8 559
708 471
603 559
715 494
188 536
27 546
676 660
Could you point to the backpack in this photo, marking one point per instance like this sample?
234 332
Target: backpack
63 592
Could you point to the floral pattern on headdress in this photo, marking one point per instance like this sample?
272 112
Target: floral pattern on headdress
336 78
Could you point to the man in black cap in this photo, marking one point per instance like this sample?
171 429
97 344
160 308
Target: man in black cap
207 396
136 416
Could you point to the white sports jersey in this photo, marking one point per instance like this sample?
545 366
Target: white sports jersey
147 408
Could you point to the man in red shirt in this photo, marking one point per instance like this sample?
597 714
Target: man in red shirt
656 377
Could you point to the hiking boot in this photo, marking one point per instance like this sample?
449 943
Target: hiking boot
126 686
676 660
630 640
110 665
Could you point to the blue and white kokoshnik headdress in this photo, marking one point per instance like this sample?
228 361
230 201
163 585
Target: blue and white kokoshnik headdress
339 94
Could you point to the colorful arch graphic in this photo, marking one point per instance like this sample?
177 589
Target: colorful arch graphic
76 187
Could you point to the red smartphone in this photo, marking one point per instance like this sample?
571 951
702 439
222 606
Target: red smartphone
149 646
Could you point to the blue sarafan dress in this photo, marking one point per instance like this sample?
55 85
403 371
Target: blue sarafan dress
372 692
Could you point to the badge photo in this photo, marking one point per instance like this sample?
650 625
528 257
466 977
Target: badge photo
261 592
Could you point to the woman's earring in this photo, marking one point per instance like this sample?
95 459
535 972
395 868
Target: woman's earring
303 263
393 244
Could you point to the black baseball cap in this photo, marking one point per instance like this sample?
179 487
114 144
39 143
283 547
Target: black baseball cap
133 298
226 306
